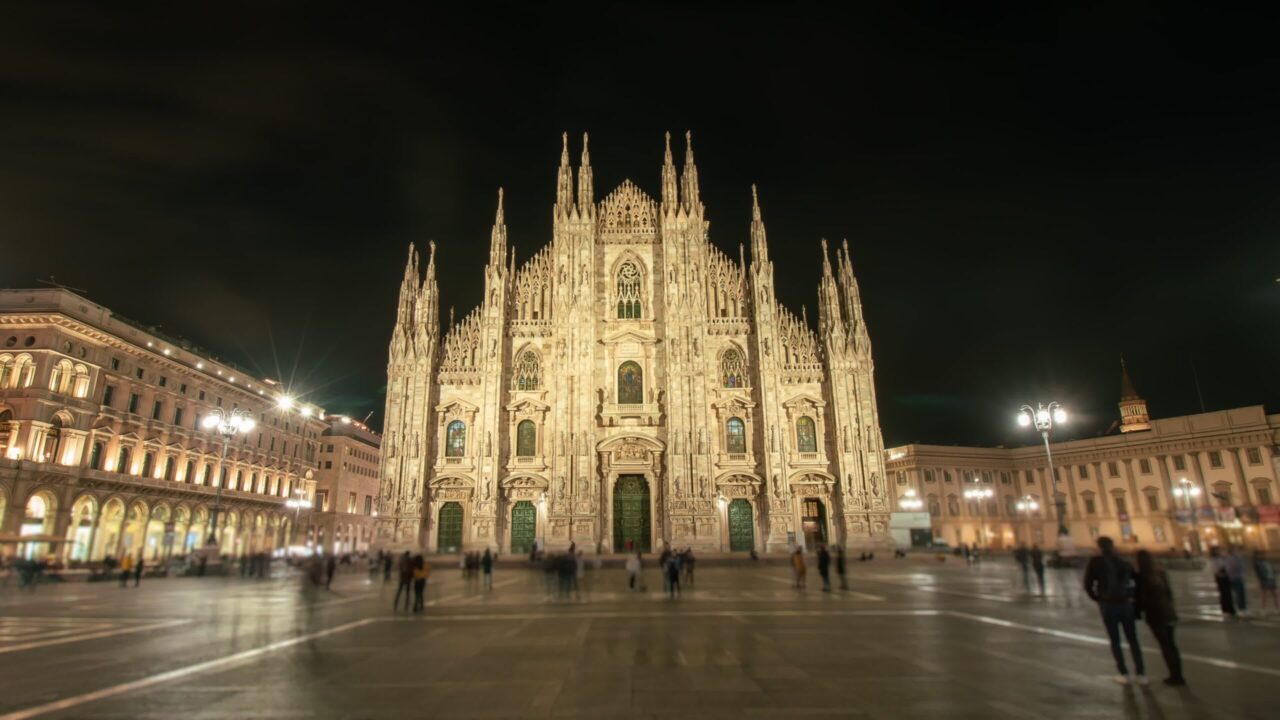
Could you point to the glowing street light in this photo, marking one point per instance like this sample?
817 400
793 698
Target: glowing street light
1044 417
284 402
979 495
909 501
1027 505
228 425
1189 491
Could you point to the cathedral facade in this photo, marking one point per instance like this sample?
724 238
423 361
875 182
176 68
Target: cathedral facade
631 387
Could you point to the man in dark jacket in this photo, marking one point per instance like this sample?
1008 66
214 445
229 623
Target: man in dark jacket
1108 581
824 567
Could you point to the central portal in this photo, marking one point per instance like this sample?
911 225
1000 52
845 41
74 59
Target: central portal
631 514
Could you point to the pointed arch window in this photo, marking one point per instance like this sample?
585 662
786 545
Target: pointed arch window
735 434
122 460
528 371
806 436
733 369
629 293
455 443
526 439
630 384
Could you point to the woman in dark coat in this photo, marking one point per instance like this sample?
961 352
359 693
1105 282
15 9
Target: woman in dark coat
1154 601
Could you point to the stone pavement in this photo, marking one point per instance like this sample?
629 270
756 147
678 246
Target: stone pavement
912 638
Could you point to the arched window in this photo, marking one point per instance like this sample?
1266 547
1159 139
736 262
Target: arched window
735 436
528 373
51 439
935 509
629 306
630 384
24 371
148 460
732 369
207 477
95 456
455 441
122 460
60 376
6 370
806 437
189 475
168 469
80 385
526 439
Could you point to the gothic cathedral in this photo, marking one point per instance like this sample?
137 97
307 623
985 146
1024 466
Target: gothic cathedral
631 387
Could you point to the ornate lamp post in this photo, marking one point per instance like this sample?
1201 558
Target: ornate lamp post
1043 417
978 495
297 502
228 425
909 501
1189 491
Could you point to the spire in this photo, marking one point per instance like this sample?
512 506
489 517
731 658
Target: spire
689 183
852 299
586 191
759 244
670 190
498 237
826 261
428 309
564 182
408 289
829 322
1133 409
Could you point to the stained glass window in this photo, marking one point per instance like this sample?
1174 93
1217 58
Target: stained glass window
455 444
630 384
526 439
629 291
732 369
735 436
806 438
528 373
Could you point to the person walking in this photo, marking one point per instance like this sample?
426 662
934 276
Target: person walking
686 562
1108 581
142 566
330 567
1023 557
633 571
406 581
1037 566
421 570
1218 564
1235 577
1153 602
673 576
1266 573
663 560
844 584
486 565
386 567
126 569
824 567
797 565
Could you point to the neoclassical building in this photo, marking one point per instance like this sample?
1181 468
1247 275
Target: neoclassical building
1190 482
630 386
102 451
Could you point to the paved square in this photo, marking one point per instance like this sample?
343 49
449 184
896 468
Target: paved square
909 639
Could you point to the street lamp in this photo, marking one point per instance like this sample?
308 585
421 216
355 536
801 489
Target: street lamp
297 502
1026 506
909 501
1189 491
978 495
228 425
1043 417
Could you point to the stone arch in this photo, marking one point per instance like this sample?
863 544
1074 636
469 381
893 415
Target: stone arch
629 287
733 367
527 369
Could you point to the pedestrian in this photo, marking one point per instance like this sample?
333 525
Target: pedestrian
633 571
687 563
142 566
797 566
330 566
486 564
1023 557
1108 581
844 584
1266 573
579 572
568 569
126 568
1154 603
406 581
1218 563
673 576
1037 565
1235 576
421 569
663 560
386 567
824 567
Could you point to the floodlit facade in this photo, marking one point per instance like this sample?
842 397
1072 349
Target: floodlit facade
102 449
344 512
631 386
1183 482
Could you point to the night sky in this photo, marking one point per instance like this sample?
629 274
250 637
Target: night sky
1027 193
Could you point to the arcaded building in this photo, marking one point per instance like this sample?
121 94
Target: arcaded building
102 448
630 386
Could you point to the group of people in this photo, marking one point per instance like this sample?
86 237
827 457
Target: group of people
565 571
474 564
825 560
674 564
413 573
1030 561
1229 575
